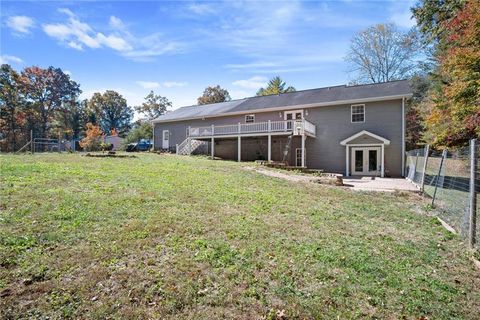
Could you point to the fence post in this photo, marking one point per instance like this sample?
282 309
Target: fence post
422 181
31 142
473 194
415 167
444 155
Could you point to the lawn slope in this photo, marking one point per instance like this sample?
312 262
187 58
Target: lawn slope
179 237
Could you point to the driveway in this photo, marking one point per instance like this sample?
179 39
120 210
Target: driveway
379 184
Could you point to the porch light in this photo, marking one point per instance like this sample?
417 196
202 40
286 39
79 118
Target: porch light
279 114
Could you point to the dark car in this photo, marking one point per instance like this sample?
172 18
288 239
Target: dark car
142 145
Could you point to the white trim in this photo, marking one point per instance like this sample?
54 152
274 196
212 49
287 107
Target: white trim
403 136
365 132
347 164
382 170
249 115
303 106
292 112
351 113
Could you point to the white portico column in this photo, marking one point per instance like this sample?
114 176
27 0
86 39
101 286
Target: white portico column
347 157
382 172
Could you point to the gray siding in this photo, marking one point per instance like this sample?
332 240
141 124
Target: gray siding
333 125
383 118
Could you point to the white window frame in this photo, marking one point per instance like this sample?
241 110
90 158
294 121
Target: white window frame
351 113
252 118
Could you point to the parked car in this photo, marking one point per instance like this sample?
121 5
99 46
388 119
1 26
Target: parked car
142 145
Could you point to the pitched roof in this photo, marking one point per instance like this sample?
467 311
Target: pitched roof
320 96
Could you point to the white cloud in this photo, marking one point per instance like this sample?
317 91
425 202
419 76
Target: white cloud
6 59
20 24
148 84
116 23
171 84
78 35
255 82
201 8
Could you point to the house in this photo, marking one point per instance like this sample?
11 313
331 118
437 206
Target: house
354 130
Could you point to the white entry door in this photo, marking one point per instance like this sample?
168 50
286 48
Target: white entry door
165 139
293 115
366 161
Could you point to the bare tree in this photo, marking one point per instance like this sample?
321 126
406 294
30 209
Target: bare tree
383 53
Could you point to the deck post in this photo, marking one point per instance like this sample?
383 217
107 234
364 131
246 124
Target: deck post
239 128
382 171
303 150
269 158
213 147
239 149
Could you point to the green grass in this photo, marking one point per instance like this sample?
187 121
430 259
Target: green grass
179 237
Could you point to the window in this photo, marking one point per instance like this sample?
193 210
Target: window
358 113
249 118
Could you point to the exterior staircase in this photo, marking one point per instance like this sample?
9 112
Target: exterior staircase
190 146
288 146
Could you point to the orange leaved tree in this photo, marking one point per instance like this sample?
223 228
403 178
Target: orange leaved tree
93 138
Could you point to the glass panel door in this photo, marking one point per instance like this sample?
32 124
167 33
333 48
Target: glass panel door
372 160
358 161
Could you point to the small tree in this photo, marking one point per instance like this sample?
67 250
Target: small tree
93 139
141 130
275 86
154 106
214 95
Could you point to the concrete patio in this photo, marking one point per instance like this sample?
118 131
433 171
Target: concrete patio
379 184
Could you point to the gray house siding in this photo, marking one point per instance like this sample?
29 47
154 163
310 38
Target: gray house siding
178 129
333 124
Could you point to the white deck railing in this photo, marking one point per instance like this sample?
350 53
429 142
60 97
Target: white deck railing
287 126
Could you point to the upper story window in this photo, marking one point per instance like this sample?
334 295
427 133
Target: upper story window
249 118
358 113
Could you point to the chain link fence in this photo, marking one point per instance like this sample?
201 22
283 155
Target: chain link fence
452 179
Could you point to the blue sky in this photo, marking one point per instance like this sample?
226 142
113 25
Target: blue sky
178 48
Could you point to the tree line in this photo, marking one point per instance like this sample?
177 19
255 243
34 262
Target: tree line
440 55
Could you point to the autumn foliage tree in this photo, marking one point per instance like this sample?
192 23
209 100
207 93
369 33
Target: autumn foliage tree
47 90
214 94
93 138
452 109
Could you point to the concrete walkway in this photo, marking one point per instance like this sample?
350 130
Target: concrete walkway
379 184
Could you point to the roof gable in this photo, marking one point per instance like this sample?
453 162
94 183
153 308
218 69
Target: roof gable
364 134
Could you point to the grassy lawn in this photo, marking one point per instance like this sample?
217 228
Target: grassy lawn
179 237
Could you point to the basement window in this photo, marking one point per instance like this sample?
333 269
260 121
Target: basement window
358 113
250 118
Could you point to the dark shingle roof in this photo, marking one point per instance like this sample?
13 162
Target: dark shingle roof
305 97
